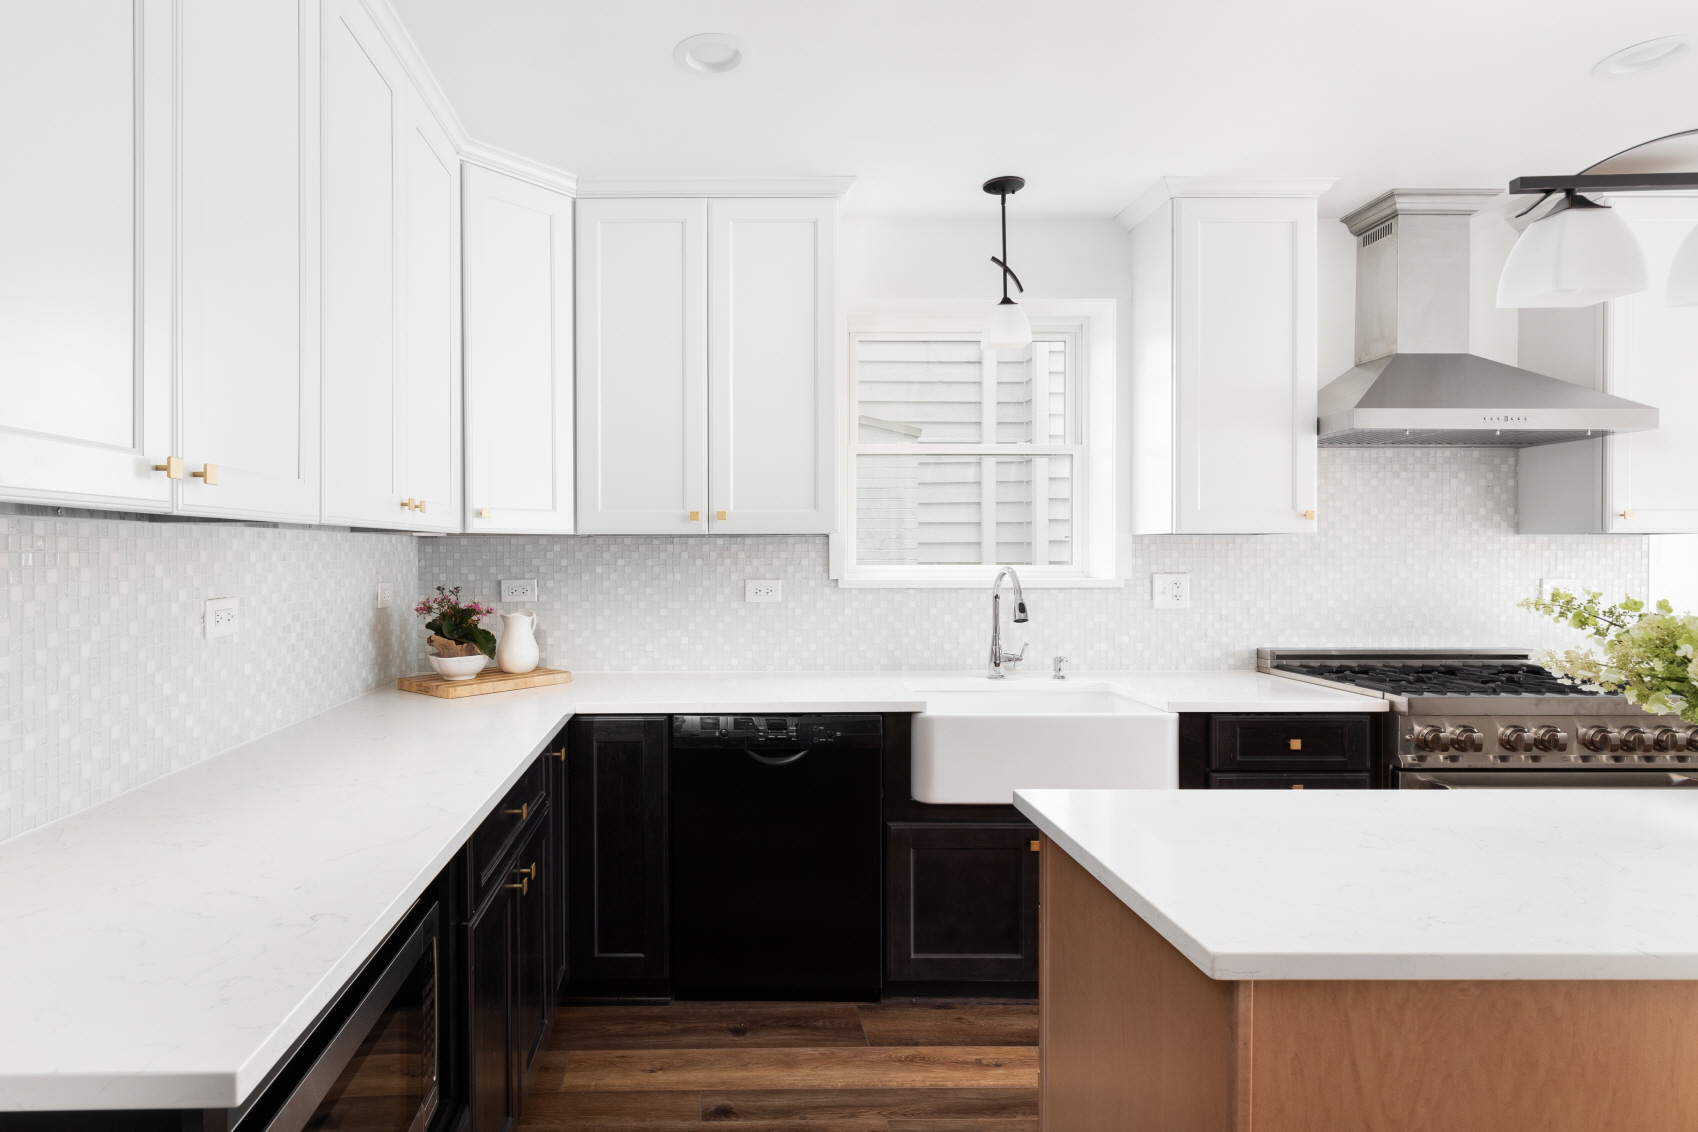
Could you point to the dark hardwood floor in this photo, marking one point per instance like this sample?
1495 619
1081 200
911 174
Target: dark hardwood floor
790 1067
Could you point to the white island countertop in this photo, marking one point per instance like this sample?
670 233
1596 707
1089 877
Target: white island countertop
165 948
1417 884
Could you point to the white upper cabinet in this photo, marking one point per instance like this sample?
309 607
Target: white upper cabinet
390 378
518 327
707 334
87 408
1224 357
642 366
1633 347
771 344
246 202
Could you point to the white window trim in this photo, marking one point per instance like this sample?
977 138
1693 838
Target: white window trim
1092 320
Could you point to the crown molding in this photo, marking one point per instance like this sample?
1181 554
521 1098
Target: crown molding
493 157
1174 188
1417 202
394 33
713 186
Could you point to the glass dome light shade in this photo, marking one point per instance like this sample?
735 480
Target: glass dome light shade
1006 328
1573 258
1682 288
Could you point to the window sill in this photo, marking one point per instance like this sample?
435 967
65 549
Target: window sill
978 583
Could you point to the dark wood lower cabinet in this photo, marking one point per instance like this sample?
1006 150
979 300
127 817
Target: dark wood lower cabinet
616 848
1277 751
962 902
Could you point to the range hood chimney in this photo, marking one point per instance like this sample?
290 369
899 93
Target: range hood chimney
1415 384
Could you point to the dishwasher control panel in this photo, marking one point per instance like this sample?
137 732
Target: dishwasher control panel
737 730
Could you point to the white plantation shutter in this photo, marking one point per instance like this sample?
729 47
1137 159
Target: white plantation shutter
963 456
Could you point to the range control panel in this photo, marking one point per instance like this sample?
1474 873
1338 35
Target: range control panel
1551 742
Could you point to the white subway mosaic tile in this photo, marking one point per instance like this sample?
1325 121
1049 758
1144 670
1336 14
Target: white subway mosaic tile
1415 547
107 681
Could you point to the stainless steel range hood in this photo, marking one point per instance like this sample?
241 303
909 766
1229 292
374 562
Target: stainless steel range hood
1415 384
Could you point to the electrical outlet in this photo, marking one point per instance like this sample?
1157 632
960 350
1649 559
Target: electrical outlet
1170 591
221 618
1568 585
524 590
763 589
385 594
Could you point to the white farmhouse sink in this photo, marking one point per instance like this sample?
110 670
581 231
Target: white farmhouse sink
978 741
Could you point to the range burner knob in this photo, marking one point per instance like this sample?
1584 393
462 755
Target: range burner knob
1515 739
1692 738
1668 739
1600 738
1432 739
1637 739
1548 738
1467 738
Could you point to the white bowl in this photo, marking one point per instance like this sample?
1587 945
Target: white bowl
458 667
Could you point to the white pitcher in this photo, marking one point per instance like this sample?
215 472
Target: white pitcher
516 652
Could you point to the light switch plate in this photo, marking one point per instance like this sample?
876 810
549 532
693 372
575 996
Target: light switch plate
763 589
221 617
1569 585
1170 591
385 594
523 590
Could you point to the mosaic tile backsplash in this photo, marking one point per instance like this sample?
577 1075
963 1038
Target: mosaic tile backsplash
1415 547
107 680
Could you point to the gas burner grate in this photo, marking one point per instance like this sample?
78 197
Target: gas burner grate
1442 679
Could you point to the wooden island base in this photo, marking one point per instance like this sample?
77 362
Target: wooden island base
1136 1039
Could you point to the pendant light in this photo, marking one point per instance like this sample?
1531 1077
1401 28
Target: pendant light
1578 254
1006 328
1682 288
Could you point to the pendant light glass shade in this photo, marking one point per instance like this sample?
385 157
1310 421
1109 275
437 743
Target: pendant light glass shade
1683 274
1007 328
1574 257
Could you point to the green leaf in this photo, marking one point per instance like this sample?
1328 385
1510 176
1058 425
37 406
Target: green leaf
483 638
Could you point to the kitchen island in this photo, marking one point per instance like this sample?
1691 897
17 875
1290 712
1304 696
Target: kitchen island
1368 962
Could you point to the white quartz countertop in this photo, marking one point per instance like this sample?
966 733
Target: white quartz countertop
1419 884
166 948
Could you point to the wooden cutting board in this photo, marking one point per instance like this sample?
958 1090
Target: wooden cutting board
485 682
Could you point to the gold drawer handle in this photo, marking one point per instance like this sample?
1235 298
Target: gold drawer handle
1035 845
1299 786
530 873
523 886
524 811
720 515
172 467
560 754
695 516
1308 514
1627 514
483 512
207 475
1296 744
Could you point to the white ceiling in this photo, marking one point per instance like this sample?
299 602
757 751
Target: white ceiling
1089 100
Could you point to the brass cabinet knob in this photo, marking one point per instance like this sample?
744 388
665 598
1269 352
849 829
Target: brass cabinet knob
483 512
1307 515
720 515
1626 515
421 507
695 516
530 873
172 467
207 475
523 886
524 811
1295 744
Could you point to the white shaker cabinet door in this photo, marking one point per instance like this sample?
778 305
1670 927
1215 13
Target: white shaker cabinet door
363 386
87 405
642 366
1244 366
772 269
1651 356
430 327
518 355
247 203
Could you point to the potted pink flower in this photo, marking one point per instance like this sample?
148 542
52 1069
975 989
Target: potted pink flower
462 647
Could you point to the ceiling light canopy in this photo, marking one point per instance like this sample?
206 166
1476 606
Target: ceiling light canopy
1007 327
1647 56
711 53
1579 252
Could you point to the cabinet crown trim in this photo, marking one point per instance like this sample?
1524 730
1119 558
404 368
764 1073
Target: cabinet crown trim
713 186
1170 188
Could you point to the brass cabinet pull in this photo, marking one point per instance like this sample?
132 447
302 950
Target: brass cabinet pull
1296 744
695 516
409 503
483 512
172 467
1308 514
530 873
1627 514
1035 845
560 754
523 886
720 515
1299 786
207 475
524 811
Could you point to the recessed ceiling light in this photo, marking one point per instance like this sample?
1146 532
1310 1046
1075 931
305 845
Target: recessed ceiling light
1645 56
709 54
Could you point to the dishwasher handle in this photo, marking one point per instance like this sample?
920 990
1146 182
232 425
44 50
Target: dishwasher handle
776 760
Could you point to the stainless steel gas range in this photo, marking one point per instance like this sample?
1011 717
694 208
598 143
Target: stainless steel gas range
1466 718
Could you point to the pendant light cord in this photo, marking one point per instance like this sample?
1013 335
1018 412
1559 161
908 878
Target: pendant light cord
1003 197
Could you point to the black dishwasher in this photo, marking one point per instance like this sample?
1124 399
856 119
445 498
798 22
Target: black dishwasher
775 889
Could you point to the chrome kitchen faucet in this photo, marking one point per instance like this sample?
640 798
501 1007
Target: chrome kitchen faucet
998 658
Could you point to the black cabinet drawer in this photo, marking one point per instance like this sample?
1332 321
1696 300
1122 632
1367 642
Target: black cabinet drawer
520 805
1292 744
1289 782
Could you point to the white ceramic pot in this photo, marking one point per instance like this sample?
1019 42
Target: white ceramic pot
458 667
517 652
